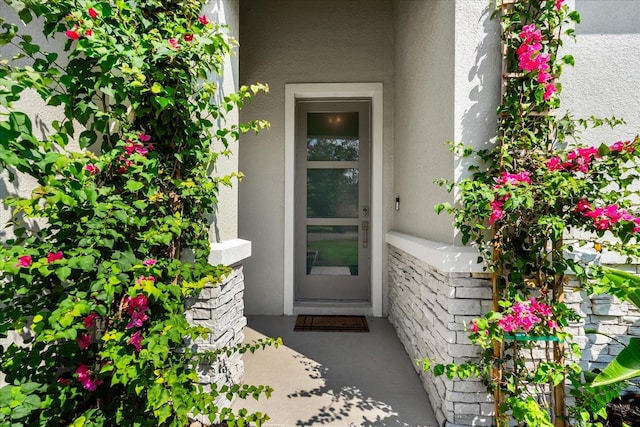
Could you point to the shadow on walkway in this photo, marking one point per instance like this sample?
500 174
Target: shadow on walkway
335 378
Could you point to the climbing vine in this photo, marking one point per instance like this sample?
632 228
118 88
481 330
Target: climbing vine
123 201
535 198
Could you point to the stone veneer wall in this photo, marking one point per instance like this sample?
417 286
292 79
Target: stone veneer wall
221 309
430 310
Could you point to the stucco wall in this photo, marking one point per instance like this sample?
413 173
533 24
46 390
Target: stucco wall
447 71
424 115
605 79
292 41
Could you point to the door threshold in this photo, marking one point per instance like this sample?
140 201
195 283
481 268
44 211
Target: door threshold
334 308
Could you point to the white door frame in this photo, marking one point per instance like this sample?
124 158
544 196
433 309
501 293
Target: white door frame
334 90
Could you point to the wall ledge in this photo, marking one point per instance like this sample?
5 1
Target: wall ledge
229 252
442 256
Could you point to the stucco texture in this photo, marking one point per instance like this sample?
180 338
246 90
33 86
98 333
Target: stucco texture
292 41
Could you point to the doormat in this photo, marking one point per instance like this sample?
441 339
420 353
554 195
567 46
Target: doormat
331 323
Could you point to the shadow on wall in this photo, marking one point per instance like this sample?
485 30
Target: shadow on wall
480 121
608 17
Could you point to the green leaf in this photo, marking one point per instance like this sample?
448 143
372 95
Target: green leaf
134 186
63 273
162 101
575 16
87 138
622 284
624 367
569 60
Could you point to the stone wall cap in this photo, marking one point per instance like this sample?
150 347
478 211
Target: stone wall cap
229 252
442 256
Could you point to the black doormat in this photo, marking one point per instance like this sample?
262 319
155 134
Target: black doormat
331 323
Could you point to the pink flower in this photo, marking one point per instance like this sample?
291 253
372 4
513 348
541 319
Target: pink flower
551 324
621 146
139 303
496 211
90 320
92 13
144 137
188 38
24 261
84 341
149 262
474 326
558 4
203 20
88 32
72 34
54 256
137 320
549 90
174 44
92 169
554 164
84 377
136 340
583 206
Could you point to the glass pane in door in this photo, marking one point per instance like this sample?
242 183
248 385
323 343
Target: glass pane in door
332 250
332 193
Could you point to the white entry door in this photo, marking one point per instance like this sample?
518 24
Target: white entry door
332 200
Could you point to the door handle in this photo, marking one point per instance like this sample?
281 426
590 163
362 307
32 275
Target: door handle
365 234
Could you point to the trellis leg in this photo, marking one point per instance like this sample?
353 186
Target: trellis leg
559 394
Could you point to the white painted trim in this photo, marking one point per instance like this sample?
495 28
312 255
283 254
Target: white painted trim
444 257
334 90
229 252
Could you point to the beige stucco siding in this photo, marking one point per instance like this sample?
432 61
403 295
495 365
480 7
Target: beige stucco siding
292 41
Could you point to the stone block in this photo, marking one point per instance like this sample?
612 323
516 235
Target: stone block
466 409
464 306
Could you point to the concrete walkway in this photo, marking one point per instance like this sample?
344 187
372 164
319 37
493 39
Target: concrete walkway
335 378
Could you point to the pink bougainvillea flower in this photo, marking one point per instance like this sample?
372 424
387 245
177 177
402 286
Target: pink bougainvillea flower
144 137
558 4
72 34
92 169
139 303
136 340
549 90
474 326
583 206
84 341
203 20
24 261
89 320
92 13
621 146
149 262
88 32
84 378
636 221
496 211
54 256
188 38
174 44
137 320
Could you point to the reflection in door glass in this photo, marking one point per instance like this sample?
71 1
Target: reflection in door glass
332 193
332 137
332 250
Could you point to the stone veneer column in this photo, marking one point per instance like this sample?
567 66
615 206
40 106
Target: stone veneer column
221 309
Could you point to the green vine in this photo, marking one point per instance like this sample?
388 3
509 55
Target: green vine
534 198
99 289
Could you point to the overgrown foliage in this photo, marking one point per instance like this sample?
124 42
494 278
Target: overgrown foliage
531 204
99 288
